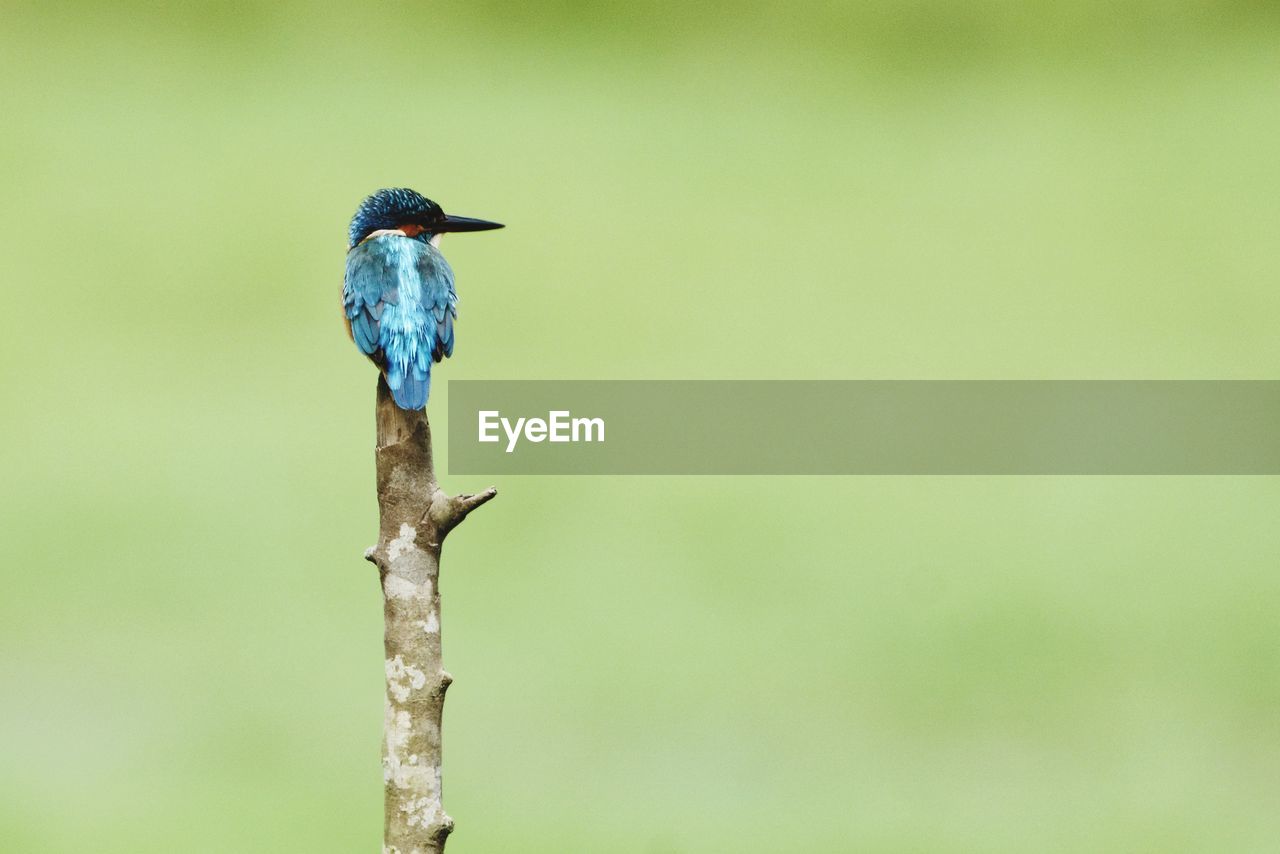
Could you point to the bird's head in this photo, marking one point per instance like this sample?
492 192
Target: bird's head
411 212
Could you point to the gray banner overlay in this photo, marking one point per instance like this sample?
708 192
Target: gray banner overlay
864 427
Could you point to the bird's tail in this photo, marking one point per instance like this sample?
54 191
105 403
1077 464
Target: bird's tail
410 392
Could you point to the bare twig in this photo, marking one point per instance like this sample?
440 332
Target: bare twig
415 517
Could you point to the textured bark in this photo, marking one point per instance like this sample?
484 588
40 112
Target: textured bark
415 517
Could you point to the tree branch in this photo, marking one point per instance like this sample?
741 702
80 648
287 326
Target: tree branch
449 512
415 515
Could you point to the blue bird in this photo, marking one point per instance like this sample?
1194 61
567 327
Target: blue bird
398 297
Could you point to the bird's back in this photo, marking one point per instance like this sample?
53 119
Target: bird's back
399 300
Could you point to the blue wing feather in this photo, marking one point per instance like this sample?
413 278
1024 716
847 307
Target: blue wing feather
400 300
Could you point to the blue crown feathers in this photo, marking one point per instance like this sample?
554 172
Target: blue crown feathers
390 208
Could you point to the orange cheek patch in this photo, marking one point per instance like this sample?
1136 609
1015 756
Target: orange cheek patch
411 230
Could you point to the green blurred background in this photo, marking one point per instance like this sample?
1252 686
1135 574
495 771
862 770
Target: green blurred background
190 643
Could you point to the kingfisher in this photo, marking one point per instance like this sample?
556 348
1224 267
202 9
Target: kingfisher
398 296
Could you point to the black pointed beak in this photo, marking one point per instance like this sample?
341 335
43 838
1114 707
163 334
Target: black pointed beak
463 223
